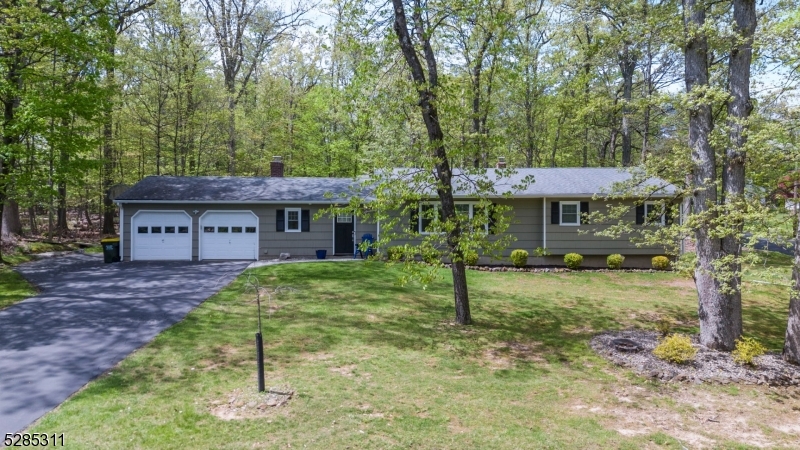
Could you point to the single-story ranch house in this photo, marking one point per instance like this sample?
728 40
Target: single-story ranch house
214 218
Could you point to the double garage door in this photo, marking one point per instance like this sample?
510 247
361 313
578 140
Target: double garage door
167 235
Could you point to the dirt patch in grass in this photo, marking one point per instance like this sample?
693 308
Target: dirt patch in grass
505 355
698 419
249 403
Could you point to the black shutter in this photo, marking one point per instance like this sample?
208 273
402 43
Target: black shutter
413 222
492 219
305 220
639 214
280 220
668 214
584 210
555 213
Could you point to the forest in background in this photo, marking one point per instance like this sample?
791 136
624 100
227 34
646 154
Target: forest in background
101 93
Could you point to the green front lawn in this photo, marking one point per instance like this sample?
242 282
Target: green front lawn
13 288
375 365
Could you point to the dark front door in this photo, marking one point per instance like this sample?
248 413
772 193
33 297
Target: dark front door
343 235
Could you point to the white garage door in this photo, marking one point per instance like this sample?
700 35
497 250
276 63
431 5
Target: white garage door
161 235
229 235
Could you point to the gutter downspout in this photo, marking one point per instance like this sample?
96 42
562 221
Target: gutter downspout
544 223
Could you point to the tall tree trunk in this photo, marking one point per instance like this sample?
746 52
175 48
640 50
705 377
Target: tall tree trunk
627 66
231 134
717 328
109 211
426 88
791 346
10 137
11 224
739 108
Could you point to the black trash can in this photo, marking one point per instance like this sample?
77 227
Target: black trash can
110 250
321 254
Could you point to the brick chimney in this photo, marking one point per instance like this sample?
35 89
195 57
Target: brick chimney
276 167
501 162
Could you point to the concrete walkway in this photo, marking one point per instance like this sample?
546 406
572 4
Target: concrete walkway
88 317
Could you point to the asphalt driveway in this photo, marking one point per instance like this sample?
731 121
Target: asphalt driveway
88 317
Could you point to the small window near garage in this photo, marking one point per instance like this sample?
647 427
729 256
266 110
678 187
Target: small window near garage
250 229
155 229
183 229
169 229
570 213
222 229
141 230
208 229
236 229
292 219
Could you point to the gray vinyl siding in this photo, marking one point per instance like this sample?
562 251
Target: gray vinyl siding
528 216
271 243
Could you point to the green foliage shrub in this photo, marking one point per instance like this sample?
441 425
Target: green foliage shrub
615 261
394 253
573 260
660 262
540 251
746 350
519 257
430 255
686 264
664 326
471 258
676 348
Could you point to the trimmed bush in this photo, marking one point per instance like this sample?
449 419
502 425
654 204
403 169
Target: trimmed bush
615 261
394 253
746 350
676 348
430 255
519 257
660 262
573 260
471 258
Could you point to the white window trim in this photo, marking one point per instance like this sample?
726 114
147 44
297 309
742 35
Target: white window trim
436 207
663 220
299 220
561 214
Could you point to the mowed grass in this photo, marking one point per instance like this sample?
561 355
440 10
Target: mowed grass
13 288
376 365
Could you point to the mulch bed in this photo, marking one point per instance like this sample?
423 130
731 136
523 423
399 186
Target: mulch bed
709 366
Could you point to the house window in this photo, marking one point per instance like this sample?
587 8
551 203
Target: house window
293 219
183 229
169 229
236 229
208 229
222 229
155 229
429 212
341 218
570 213
654 213
142 230
249 229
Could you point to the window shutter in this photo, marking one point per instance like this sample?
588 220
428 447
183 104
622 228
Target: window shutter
280 220
668 214
555 213
413 221
305 220
639 214
584 210
492 219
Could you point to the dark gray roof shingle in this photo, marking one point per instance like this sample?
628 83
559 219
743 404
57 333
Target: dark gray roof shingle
549 182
